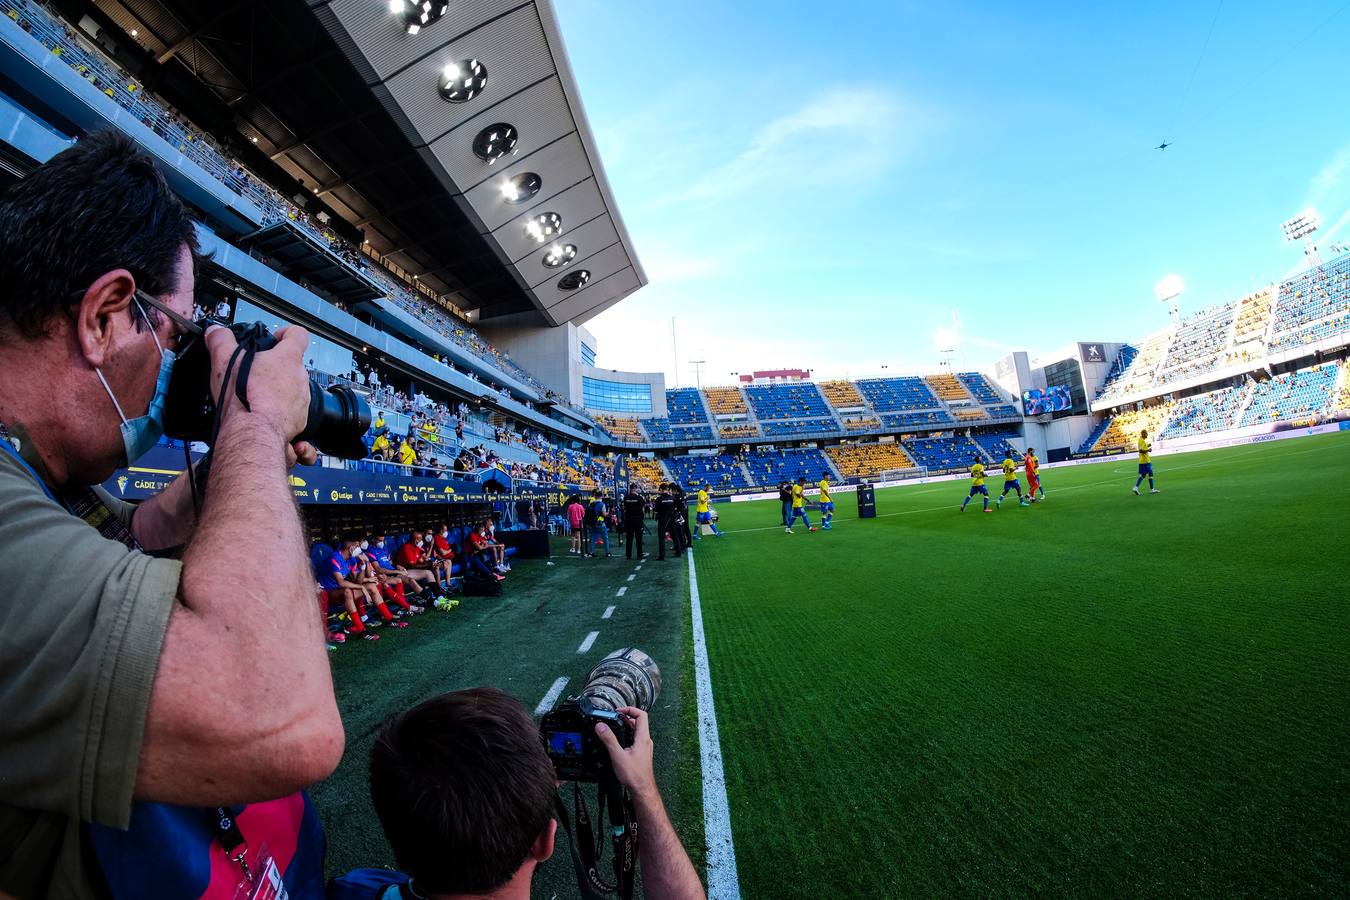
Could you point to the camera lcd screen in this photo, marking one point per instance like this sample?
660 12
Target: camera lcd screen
565 744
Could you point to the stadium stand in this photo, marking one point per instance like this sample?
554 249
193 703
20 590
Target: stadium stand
1096 434
661 429
1004 411
646 472
1204 413
725 400
910 420
1313 305
787 401
841 394
866 423
797 427
1139 372
980 388
769 467
868 460
996 443
1119 366
1253 314
950 452
685 407
1197 345
622 427
1122 434
744 430
897 394
969 414
1293 395
948 387
723 473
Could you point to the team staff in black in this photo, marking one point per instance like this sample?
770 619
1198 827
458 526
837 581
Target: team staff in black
682 514
634 511
666 522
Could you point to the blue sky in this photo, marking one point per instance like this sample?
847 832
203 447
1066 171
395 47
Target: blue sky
827 186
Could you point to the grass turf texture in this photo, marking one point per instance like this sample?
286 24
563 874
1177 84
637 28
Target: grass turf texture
521 642
1099 695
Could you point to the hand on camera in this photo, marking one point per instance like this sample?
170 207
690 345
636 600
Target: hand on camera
278 385
633 764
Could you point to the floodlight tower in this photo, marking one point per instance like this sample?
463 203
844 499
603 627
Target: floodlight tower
1167 291
1301 228
946 341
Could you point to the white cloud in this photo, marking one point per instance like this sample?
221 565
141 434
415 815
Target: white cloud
840 134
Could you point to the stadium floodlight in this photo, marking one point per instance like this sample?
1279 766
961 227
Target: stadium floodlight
461 81
495 141
519 188
1302 225
559 256
418 14
1169 288
544 226
573 280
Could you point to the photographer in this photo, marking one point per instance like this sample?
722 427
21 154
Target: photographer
466 795
199 682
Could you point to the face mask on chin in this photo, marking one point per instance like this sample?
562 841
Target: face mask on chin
143 432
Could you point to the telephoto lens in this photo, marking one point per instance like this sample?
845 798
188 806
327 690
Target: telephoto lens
626 677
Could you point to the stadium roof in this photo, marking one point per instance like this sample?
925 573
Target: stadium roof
342 96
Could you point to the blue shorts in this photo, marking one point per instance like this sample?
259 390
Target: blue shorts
979 489
1013 485
1146 468
827 506
703 518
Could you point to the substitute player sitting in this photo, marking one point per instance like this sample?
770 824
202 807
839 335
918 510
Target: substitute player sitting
1010 482
1145 464
702 514
977 485
1033 467
826 502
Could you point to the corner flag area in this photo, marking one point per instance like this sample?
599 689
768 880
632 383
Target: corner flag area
1101 694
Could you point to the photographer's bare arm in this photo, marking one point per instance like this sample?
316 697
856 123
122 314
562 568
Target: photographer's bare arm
244 678
667 873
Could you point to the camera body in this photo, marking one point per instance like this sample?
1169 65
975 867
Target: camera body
338 416
568 733
626 677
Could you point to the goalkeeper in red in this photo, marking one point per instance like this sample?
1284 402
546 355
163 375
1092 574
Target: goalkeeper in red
1033 470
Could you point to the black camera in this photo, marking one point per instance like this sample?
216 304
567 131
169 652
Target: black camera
338 416
626 677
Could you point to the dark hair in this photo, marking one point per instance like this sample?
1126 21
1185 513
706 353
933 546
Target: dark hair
98 206
463 788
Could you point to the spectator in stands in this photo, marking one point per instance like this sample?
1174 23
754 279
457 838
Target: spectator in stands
407 456
478 753
179 658
576 524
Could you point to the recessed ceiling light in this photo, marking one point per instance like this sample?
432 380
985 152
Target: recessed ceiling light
560 255
461 81
573 280
418 14
544 226
134 32
254 138
495 141
519 188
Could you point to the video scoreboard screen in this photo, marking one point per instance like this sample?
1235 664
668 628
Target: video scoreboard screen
1053 399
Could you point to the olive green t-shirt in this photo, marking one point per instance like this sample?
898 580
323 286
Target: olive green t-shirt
82 623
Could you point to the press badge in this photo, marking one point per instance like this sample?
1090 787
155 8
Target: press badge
262 880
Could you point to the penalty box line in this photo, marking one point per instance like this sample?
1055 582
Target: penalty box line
723 882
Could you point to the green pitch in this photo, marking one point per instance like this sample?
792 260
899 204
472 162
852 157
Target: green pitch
1102 694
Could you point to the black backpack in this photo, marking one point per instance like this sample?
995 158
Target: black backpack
476 585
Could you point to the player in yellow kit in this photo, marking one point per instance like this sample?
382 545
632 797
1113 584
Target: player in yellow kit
977 485
1145 464
702 514
1010 482
826 502
799 507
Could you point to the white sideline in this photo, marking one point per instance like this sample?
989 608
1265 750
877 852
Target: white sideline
551 697
622 591
609 611
631 577
586 644
723 882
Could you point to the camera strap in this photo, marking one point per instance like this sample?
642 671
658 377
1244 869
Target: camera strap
587 845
